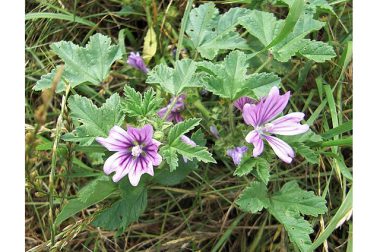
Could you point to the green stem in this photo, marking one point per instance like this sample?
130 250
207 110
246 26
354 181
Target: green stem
183 26
231 116
54 166
170 107
264 64
198 104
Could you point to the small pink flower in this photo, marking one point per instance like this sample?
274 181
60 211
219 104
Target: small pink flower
239 103
261 116
136 153
136 61
175 113
237 153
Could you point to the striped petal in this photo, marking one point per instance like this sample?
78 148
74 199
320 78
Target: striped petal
288 125
254 138
282 149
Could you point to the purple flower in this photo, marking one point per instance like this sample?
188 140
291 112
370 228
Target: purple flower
174 114
187 141
260 116
136 61
214 131
136 152
237 153
239 103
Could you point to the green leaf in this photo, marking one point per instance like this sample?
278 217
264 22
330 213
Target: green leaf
254 198
191 152
175 80
286 206
172 177
95 121
306 152
92 193
266 28
137 105
211 32
46 81
83 64
317 51
262 170
292 197
295 12
124 211
262 25
258 166
245 167
229 79
170 156
294 41
308 136
182 128
298 228
259 84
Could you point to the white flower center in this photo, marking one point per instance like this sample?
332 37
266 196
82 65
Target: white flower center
136 151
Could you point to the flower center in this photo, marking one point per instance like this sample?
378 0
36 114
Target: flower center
136 150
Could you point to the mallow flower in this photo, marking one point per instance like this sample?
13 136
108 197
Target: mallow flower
136 61
237 153
239 103
261 116
175 113
214 131
136 152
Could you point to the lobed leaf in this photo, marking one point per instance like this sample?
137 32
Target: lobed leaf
94 121
92 193
82 64
211 32
136 104
254 198
182 128
175 80
124 211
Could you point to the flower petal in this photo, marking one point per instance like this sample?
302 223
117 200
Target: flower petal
113 162
142 135
237 153
141 166
254 138
288 125
118 140
239 103
123 169
282 149
250 114
269 107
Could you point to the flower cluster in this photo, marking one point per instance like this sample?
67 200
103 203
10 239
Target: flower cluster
137 151
261 115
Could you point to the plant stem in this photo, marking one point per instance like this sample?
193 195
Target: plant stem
170 107
198 104
183 26
231 116
269 59
53 167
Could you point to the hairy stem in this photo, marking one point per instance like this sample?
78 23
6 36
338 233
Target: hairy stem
183 27
54 165
231 116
